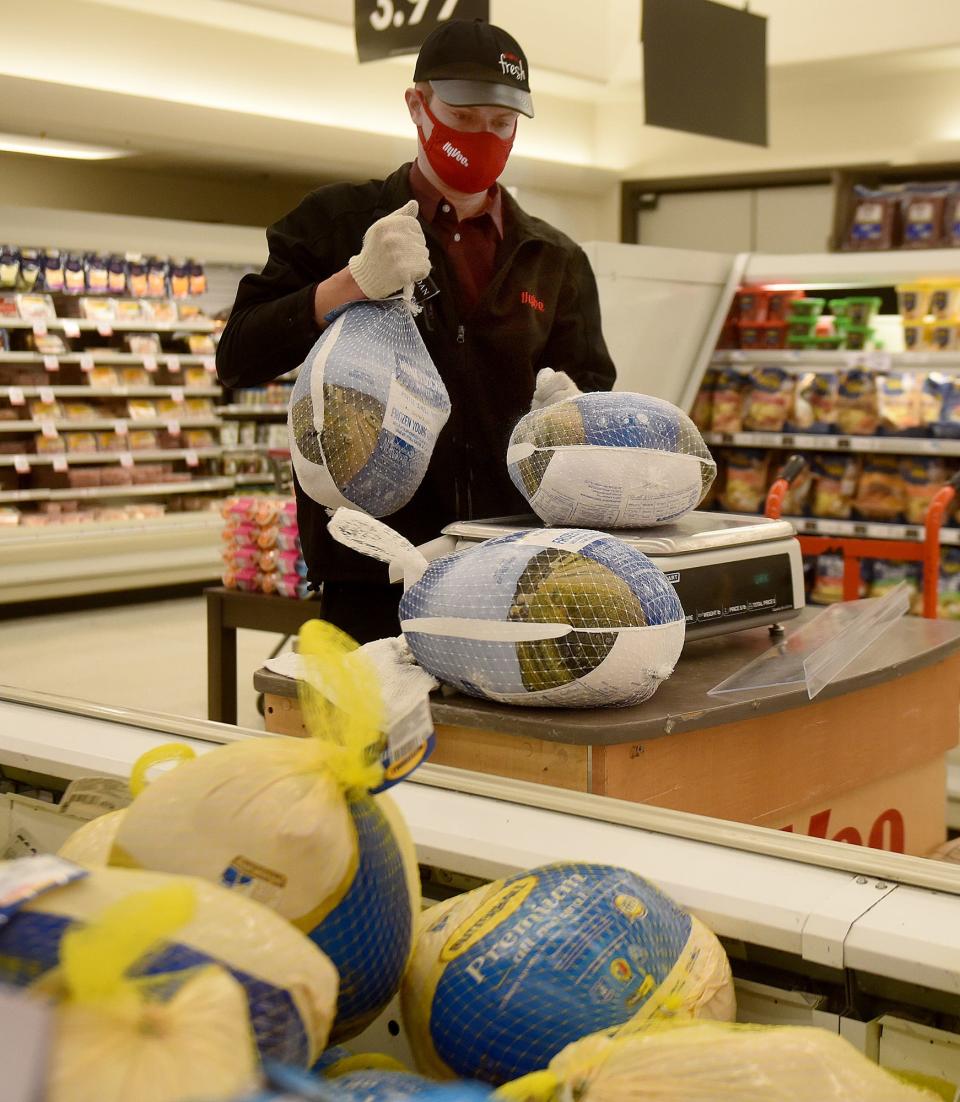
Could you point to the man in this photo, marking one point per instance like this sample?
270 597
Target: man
515 296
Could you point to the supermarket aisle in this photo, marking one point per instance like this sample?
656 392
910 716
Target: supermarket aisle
150 656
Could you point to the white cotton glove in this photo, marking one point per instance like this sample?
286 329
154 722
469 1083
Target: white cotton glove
394 254
553 386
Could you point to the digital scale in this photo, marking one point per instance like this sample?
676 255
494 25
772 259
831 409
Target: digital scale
730 572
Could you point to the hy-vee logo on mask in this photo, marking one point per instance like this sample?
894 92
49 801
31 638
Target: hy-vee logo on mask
451 151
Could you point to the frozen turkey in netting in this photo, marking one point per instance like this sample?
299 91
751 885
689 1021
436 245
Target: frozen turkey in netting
547 617
366 410
610 460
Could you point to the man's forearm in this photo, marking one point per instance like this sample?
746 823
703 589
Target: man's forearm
339 289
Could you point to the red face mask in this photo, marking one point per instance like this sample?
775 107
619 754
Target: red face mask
467 161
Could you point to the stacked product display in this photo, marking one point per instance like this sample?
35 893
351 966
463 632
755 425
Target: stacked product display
261 550
261 901
904 216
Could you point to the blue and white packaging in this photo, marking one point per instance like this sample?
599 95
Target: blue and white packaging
366 410
610 460
545 618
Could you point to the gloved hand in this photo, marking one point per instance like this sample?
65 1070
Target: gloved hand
553 386
393 256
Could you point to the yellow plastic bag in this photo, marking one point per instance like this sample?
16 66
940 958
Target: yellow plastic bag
702 1061
156 1039
289 823
504 977
289 985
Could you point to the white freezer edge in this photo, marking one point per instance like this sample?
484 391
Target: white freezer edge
909 933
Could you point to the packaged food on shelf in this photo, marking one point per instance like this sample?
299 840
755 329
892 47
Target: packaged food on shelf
917 335
796 501
49 445
922 215
827 342
116 476
745 484
95 308
128 309
161 310
828 580
887 574
932 393
469 1012
728 401
47 344
111 442
898 403
948 424
198 438
74 410
881 490
9 267
134 376
782 302
102 377
74 274
913 300
861 310
80 441
201 344
834 486
943 335
702 413
43 411
874 222
98 275
141 439
195 376
763 334
859 337
143 344
800 327
768 400
922 477
198 278
948 592
944 298
751 305
35 307
857 413
141 409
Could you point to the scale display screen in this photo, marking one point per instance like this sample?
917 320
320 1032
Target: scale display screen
744 588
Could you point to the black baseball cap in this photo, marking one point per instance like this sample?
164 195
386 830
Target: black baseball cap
472 63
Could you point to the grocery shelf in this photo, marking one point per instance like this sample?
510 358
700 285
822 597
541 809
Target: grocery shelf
801 441
264 478
256 449
813 358
851 269
858 529
86 391
96 493
106 424
136 455
105 356
144 325
253 410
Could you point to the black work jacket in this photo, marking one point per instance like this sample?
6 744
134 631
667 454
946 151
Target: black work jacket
540 310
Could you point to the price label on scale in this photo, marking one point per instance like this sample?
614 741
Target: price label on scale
385 28
51 363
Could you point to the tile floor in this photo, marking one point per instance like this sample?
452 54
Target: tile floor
151 656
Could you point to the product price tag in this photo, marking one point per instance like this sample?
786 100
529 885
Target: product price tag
60 463
48 429
878 361
209 364
51 363
173 427
40 329
176 394
173 364
385 28
126 460
150 363
193 460
120 428
86 362
71 329
16 396
104 329
21 464
46 395
853 359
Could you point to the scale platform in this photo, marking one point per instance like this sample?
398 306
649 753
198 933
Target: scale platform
730 572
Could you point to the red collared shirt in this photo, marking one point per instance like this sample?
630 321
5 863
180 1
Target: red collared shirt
470 245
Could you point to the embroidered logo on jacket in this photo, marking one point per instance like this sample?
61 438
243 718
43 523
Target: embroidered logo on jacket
528 298
452 151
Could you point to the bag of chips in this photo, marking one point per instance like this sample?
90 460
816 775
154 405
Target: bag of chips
745 488
289 985
834 485
815 402
769 398
552 617
504 977
728 401
702 413
881 490
290 823
366 410
828 580
922 479
610 460
898 403
857 403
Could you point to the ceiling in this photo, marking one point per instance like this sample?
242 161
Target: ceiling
273 86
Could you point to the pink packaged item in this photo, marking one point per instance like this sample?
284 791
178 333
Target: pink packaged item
286 585
245 533
288 539
248 579
241 556
268 561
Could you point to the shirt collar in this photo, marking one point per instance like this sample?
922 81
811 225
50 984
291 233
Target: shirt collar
429 199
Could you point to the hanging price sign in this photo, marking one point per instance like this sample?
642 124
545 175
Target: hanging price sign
71 329
385 28
51 363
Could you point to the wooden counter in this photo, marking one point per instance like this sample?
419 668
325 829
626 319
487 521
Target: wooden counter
864 761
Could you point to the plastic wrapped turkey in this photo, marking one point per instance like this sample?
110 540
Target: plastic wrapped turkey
610 460
546 617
